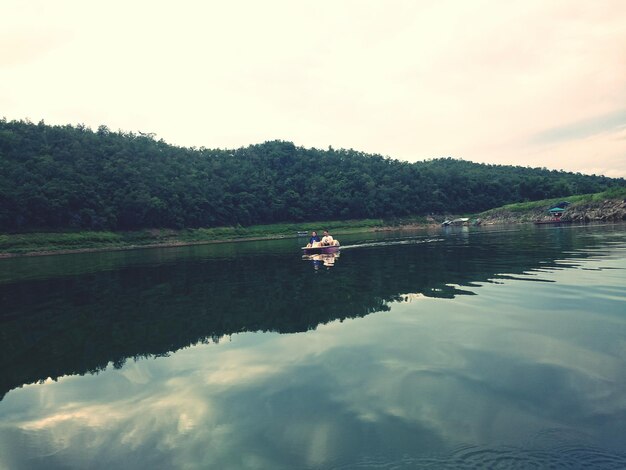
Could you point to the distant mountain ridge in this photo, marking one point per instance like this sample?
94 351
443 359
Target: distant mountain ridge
70 177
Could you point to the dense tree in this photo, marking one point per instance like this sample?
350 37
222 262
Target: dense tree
59 177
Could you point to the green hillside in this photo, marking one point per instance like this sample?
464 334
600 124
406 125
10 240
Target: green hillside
73 178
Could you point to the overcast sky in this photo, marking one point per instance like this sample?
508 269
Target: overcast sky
533 83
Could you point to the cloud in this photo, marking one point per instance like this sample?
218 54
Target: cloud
607 123
24 48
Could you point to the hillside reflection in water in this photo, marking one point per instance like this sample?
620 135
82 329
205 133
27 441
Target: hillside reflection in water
298 394
80 323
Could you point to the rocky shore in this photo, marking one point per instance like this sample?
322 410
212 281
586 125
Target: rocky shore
608 210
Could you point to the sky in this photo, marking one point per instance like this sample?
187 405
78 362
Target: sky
534 83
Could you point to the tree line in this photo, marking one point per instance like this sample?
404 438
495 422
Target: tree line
72 177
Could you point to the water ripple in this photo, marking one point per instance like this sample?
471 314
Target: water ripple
562 456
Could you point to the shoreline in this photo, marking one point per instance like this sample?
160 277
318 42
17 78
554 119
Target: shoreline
583 209
182 243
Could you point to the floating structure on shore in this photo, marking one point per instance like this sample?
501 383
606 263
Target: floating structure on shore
556 212
459 221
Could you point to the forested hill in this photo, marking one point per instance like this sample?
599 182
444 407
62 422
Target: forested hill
56 177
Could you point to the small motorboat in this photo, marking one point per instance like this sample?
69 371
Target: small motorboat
311 250
321 249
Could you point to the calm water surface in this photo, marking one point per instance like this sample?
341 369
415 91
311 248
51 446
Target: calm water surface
488 348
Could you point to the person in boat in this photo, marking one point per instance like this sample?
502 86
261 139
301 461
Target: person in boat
314 240
328 240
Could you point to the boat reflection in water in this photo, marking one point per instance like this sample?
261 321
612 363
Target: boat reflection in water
322 259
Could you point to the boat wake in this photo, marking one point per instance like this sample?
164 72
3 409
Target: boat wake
413 241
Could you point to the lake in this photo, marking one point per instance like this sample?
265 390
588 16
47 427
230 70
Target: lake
494 347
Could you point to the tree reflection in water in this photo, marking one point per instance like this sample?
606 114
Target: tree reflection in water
79 323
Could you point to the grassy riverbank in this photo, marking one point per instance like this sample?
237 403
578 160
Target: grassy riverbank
615 193
530 211
64 242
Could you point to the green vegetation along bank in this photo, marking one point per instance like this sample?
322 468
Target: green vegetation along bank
606 206
42 243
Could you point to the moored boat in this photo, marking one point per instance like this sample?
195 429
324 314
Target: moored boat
552 222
